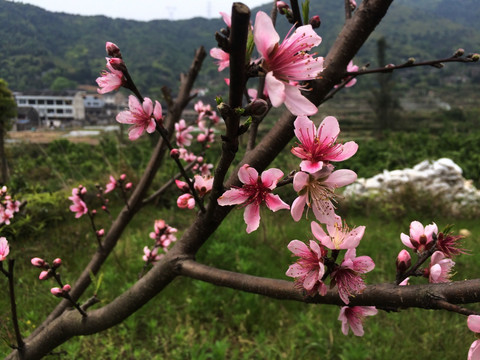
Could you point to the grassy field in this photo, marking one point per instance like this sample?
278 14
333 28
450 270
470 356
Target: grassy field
195 320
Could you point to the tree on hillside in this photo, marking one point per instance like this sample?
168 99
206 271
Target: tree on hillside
326 269
8 111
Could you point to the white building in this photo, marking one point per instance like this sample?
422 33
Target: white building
54 108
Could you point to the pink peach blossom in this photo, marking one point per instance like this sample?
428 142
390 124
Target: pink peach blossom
420 238
143 116
318 147
186 201
440 268
352 318
287 62
473 323
111 185
339 236
309 268
347 276
4 248
255 191
317 192
222 58
151 256
183 136
79 207
110 80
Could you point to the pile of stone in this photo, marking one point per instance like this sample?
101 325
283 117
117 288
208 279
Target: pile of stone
441 179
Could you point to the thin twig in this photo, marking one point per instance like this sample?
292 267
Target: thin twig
13 305
297 17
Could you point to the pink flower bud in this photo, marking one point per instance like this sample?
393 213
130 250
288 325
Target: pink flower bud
44 275
128 186
66 288
315 21
57 262
282 7
38 262
201 137
104 208
56 291
100 233
123 177
404 261
200 159
94 212
113 50
175 153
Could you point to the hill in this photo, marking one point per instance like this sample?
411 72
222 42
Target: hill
41 48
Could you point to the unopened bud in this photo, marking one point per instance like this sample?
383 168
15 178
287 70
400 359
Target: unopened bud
353 5
44 275
475 57
411 61
66 288
94 212
404 261
175 153
315 21
257 108
104 208
199 159
123 177
459 52
128 186
56 291
100 233
38 262
282 7
57 262
113 50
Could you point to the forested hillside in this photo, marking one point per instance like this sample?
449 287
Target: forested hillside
41 49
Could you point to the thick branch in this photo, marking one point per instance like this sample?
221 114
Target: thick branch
390 296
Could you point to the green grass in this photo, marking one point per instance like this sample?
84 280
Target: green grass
196 320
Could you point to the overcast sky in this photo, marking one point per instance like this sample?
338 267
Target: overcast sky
144 10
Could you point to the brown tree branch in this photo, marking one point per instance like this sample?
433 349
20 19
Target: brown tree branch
390 296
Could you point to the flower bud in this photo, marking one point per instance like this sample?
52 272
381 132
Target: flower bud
128 186
57 262
56 291
104 208
353 5
113 50
100 233
66 288
94 212
459 52
282 7
38 262
475 57
404 261
315 21
123 177
199 159
257 108
174 153
44 275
